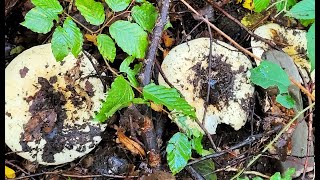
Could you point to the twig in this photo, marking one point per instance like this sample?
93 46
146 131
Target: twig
269 145
162 73
107 22
76 176
216 6
222 33
310 137
145 75
18 167
79 23
246 172
247 141
96 69
208 93
303 89
194 173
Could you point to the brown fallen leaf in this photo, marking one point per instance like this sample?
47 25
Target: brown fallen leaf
130 144
156 107
168 40
91 38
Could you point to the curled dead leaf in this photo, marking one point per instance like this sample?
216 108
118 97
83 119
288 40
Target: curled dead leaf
130 144
168 40
91 38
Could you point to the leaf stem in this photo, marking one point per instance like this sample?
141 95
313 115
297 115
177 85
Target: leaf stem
107 22
79 23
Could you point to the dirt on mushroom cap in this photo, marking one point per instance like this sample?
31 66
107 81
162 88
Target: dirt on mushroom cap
186 67
50 106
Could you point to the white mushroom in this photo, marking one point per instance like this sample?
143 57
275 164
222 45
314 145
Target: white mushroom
186 68
49 106
292 41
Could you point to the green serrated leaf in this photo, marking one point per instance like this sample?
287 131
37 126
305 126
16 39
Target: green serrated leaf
206 169
306 22
118 5
304 9
276 176
119 96
168 97
140 101
290 3
167 26
260 5
285 100
91 10
130 37
197 145
187 125
311 45
39 20
52 5
66 39
178 152
269 74
257 178
145 15
288 173
106 47
131 73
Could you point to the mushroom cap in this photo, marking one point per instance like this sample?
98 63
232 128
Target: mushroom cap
294 43
186 68
50 106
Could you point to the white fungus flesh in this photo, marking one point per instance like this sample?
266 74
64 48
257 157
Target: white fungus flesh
186 68
291 41
50 105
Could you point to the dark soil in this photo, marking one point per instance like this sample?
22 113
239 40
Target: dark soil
110 157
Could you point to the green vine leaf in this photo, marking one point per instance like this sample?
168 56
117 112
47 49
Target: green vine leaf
269 74
178 152
311 45
92 11
119 96
40 19
67 39
107 47
260 5
131 73
145 15
130 37
168 97
118 5
304 9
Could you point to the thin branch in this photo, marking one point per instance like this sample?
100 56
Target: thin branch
162 73
79 23
216 6
208 93
303 89
269 145
145 75
108 22
247 141
222 33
